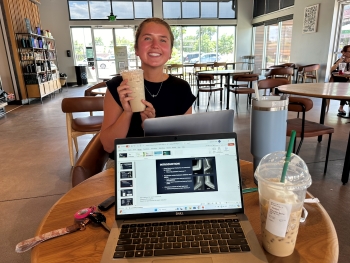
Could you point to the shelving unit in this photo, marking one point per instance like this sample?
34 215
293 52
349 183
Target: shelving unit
39 64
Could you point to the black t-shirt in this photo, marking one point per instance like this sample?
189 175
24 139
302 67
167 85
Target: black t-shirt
340 79
174 98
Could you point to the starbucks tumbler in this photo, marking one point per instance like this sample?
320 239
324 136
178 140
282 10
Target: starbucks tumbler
268 125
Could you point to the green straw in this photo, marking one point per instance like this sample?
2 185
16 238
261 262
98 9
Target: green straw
289 153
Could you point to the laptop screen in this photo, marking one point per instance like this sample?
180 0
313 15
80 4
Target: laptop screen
177 175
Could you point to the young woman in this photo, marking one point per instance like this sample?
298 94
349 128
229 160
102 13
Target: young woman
345 58
165 95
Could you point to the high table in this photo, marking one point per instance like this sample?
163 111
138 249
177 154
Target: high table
227 73
331 90
317 240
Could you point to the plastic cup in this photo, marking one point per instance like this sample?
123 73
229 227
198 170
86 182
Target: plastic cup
135 81
341 68
281 203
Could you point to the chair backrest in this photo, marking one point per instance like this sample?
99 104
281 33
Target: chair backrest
280 73
272 83
205 77
90 162
296 104
284 65
200 67
220 65
87 92
82 104
311 68
175 67
246 77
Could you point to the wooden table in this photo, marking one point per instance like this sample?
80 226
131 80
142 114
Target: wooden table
331 90
99 91
317 240
227 73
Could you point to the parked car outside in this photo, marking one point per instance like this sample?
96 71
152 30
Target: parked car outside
190 56
208 57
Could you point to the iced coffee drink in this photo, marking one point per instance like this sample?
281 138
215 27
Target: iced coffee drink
281 203
135 81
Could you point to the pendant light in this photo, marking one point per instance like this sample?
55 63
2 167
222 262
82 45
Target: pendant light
111 17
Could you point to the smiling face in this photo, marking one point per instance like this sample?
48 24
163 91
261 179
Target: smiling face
153 45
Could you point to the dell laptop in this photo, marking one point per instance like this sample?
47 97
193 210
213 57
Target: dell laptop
179 199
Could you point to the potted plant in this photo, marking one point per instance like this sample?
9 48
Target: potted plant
63 78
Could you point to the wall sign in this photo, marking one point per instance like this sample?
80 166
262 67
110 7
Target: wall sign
310 19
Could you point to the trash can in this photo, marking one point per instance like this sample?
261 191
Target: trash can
81 74
268 125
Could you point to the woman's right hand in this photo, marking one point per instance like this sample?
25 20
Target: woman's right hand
124 93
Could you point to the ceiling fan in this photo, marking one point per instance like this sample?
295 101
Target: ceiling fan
111 17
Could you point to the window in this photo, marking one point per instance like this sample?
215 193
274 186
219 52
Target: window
178 9
272 42
262 7
97 9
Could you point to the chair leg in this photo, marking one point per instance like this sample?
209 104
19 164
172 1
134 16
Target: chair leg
300 143
329 144
328 102
70 149
75 140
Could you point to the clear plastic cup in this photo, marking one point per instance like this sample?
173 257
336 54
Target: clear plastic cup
135 81
341 68
281 203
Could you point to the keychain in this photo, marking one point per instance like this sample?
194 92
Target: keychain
32 242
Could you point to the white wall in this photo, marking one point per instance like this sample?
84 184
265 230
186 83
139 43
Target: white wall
314 48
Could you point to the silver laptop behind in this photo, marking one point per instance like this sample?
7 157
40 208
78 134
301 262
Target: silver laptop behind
179 199
198 123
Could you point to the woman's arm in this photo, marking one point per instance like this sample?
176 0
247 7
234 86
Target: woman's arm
116 122
336 64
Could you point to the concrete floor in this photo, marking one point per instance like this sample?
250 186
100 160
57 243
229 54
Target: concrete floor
35 169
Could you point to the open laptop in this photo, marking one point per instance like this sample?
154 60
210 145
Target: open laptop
179 199
198 123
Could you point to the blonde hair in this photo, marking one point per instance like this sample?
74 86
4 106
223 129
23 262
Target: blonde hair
157 21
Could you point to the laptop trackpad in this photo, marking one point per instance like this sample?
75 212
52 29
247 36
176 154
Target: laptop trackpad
184 260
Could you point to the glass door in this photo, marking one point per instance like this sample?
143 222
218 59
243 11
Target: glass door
272 35
104 53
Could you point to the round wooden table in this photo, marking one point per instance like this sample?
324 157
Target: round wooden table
331 90
317 240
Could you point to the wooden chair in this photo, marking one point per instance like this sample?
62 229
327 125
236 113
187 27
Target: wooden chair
91 161
87 92
219 66
305 128
81 125
308 72
205 83
272 83
285 73
198 67
243 84
176 70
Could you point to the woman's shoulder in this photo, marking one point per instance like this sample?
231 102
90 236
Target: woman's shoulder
172 80
114 82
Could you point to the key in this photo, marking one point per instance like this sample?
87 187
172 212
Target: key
100 219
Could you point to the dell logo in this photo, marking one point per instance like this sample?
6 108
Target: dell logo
179 213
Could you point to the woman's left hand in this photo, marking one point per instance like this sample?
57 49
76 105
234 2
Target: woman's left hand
149 112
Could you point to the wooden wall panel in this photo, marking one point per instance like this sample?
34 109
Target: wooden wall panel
15 12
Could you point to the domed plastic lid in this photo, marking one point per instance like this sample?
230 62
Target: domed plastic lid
270 169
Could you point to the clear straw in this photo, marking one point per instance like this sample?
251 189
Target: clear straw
289 153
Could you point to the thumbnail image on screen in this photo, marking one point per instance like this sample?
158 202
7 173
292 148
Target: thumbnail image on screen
186 175
126 201
125 183
126 174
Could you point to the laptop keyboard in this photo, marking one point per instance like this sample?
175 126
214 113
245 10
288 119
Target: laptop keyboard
181 237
